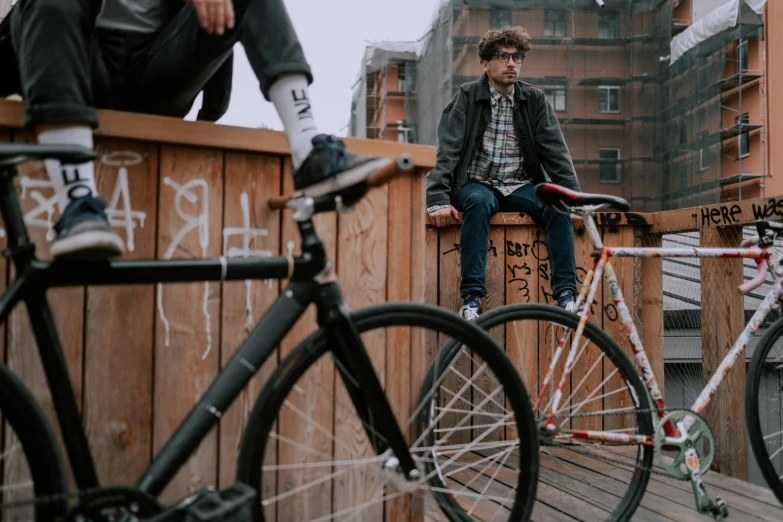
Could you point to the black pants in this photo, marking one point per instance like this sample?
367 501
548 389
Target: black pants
68 69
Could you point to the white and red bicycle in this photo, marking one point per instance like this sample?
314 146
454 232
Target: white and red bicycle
602 417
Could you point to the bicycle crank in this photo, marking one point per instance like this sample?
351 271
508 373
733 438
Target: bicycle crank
688 455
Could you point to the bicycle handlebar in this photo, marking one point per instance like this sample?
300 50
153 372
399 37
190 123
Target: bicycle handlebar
402 164
761 275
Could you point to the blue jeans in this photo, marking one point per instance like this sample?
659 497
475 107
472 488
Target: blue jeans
478 203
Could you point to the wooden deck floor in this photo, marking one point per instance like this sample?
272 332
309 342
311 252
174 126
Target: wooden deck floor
588 489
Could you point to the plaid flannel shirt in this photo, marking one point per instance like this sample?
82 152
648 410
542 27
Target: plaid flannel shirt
498 163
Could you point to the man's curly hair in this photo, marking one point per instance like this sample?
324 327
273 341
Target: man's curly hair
494 39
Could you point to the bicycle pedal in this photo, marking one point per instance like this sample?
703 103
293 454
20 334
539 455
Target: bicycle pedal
233 504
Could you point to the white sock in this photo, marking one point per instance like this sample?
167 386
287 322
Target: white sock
70 181
291 98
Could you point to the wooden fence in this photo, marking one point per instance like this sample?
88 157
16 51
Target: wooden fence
518 271
140 356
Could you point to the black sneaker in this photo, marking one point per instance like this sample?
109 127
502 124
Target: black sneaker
566 301
83 232
330 167
471 308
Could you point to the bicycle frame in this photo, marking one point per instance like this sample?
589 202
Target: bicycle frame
312 281
601 266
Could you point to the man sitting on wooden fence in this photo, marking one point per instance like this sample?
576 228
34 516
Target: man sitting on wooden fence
155 56
494 138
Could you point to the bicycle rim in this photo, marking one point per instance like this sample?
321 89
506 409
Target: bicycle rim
604 393
308 359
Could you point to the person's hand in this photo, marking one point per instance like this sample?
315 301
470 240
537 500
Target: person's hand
215 16
577 221
442 217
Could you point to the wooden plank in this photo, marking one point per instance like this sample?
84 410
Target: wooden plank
250 229
588 486
548 336
722 214
606 478
601 218
362 264
449 298
522 287
187 319
739 495
722 320
399 385
496 294
612 325
311 409
652 307
163 129
39 204
120 331
587 374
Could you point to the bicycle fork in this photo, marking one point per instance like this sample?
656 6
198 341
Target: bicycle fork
361 381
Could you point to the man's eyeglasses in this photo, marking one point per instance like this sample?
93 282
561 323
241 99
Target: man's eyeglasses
504 55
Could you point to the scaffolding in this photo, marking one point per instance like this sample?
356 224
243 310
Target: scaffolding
384 94
645 125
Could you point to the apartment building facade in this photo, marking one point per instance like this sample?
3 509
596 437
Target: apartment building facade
662 132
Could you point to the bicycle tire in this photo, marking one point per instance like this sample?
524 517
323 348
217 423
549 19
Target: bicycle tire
614 353
307 353
752 416
19 409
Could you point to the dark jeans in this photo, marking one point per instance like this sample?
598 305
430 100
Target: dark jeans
68 69
478 203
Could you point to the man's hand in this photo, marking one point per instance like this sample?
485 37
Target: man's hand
215 16
442 217
577 221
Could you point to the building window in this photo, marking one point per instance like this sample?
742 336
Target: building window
608 24
609 170
500 18
744 137
405 78
556 94
742 55
608 98
554 23
704 153
404 133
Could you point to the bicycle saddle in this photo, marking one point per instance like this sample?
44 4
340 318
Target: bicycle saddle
559 197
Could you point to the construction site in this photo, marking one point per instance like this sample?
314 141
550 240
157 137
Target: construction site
661 102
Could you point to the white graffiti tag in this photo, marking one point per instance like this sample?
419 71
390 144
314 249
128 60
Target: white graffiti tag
125 216
248 235
200 222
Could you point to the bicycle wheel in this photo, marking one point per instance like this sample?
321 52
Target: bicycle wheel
764 407
32 480
310 462
604 392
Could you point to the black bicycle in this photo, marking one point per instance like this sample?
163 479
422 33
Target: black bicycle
322 441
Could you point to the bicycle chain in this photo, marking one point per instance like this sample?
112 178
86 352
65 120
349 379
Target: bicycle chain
610 460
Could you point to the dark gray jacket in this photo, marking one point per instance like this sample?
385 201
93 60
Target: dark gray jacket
461 128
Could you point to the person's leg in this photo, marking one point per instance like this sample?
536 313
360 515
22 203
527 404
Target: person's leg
58 67
184 57
559 238
274 52
478 204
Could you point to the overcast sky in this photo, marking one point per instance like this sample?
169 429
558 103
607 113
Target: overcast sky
333 34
